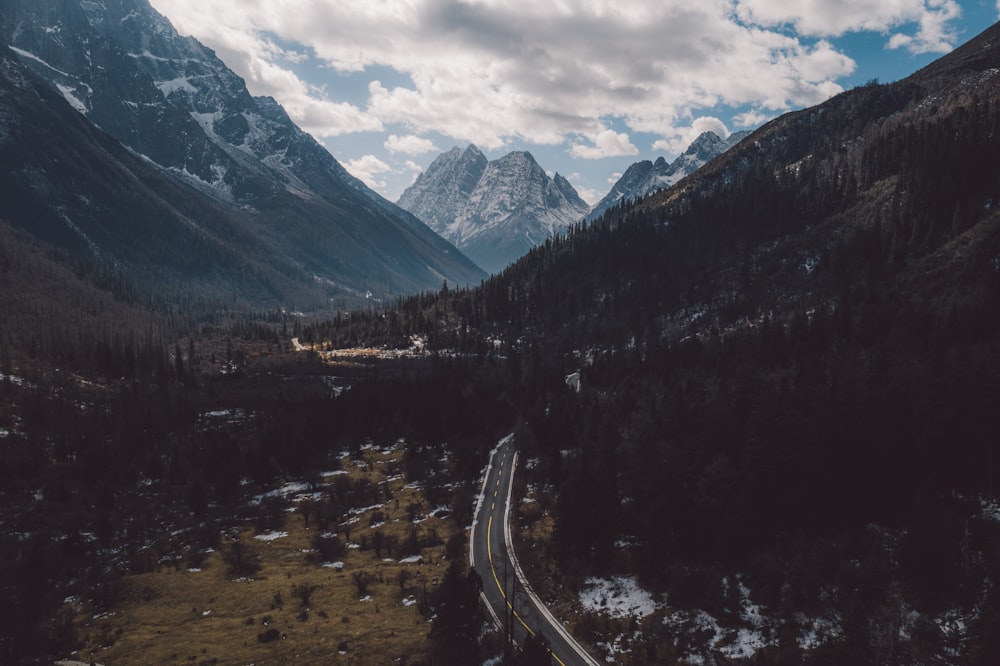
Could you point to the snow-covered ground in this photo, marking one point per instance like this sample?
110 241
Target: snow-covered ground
271 536
618 596
699 636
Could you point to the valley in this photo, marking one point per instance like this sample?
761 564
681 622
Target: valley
740 411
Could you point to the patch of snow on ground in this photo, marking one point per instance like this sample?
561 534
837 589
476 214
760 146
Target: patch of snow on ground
293 488
32 56
338 565
991 509
13 379
359 511
413 559
271 536
618 596
744 644
172 86
817 631
617 648
749 638
953 624
70 96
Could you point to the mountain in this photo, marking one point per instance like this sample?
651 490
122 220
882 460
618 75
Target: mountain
440 194
492 211
176 107
643 178
789 360
766 396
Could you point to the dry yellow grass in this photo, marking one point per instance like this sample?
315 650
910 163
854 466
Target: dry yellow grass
204 617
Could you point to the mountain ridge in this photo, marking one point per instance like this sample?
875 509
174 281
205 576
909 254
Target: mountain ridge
174 104
794 350
494 211
643 178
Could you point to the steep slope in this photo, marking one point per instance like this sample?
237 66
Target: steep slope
439 195
493 211
789 360
78 190
643 178
173 102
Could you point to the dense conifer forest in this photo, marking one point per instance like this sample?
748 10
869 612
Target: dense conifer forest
784 369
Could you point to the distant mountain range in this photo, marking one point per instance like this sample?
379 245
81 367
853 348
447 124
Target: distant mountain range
645 177
275 217
795 350
495 211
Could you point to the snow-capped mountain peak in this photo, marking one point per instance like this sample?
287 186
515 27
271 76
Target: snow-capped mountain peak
170 100
493 211
643 178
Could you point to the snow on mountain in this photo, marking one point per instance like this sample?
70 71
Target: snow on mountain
171 100
439 195
643 178
493 211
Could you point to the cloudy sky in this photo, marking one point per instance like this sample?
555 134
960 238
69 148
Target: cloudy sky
588 86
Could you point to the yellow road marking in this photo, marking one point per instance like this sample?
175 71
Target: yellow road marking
503 592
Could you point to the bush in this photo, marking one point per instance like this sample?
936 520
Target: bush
328 548
242 561
304 593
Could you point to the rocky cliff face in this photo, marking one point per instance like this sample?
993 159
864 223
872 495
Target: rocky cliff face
493 211
440 194
170 100
643 178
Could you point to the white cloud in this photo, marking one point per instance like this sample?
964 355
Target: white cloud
409 145
495 72
607 143
750 119
613 178
366 169
682 137
830 19
588 194
934 35
232 32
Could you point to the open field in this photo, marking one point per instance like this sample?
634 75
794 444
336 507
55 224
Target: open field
363 608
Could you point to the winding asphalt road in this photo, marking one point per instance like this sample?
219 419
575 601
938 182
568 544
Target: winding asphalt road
506 592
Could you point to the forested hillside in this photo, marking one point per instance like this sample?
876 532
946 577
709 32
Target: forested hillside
773 385
788 366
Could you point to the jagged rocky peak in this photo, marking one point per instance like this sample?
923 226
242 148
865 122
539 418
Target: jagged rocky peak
438 193
566 189
707 145
171 100
493 211
643 178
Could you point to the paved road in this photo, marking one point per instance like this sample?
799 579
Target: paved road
506 593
